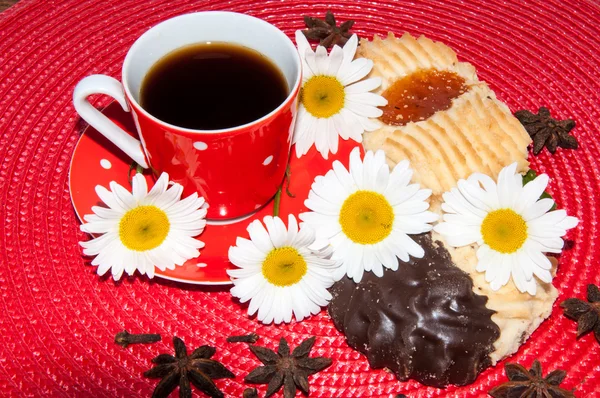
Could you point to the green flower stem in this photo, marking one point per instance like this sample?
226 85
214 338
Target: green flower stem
277 199
277 202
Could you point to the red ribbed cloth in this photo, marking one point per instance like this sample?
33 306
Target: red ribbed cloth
58 318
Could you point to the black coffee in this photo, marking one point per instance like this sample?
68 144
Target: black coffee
212 86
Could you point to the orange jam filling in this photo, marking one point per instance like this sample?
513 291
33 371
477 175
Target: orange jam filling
418 96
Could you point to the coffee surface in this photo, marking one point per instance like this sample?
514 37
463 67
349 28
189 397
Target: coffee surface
210 86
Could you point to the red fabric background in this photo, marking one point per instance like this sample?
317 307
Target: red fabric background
59 318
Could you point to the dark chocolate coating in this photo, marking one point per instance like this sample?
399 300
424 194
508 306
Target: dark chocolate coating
423 321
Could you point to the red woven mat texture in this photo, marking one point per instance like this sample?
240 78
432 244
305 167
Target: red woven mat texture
58 318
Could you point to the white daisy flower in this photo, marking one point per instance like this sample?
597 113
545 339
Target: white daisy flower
142 230
278 273
367 214
510 223
332 100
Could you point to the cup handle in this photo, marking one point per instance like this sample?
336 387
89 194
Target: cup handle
101 84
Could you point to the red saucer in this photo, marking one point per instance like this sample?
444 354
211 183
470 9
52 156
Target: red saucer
96 161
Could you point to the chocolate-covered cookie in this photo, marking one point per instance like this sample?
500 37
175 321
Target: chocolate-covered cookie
422 321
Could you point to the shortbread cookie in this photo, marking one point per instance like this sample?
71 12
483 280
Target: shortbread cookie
474 132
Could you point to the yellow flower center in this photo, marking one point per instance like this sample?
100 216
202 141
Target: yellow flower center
323 96
366 217
504 230
143 228
284 266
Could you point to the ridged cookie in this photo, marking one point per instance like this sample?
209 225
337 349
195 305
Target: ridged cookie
478 133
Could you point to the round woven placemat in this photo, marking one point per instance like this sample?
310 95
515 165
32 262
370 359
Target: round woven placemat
59 318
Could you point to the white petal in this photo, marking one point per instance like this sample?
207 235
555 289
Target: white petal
473 194
263 294
496 273
287 308
265 309
364 86
309 66
489 191
382 176
277 231
110 200
246 289
170 197
159 187
321 60
107 213
123 196
385 256
315 203
522 260
300 307
302 43
368 173
531 193
260 236
538 258
94 246
356 167
508 191
360 105
353 260
354 71
332 136
369 258
292 229
99 227
457 236
336 56
117 271
340 125
344 177
102 268
415 223
139 187
353 122
329 188
350 47
369 124
412 247
569 222
459 204
321 142
538 209
521 282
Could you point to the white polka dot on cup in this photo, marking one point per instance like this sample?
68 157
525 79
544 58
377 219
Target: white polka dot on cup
268 160
201 146
106 164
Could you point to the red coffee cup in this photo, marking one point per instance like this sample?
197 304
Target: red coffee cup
237 170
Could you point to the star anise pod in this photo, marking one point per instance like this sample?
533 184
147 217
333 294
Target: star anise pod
284 369
531 383
182 369
547 131
587 314
327 31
